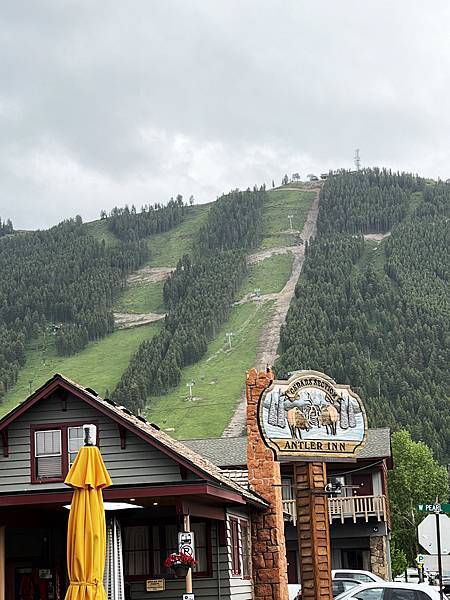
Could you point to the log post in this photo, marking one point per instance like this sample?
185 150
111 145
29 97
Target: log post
313 530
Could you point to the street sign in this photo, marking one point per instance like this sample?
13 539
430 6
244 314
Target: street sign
420 559
186 543
434 508
428 536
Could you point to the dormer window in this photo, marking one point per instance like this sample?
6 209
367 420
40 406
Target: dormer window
53 451
48 453
75 441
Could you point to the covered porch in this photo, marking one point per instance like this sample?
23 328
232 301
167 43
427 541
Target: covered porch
33 542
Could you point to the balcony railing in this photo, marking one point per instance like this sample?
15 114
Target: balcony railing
347 507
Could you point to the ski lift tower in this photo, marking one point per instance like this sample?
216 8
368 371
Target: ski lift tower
190 385
290 217
229 336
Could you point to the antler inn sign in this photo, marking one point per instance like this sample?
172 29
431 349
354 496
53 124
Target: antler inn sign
310 416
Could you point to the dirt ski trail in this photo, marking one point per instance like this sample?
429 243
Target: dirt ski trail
149 275
128 320
270 336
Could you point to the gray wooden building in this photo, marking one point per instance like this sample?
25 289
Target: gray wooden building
158 482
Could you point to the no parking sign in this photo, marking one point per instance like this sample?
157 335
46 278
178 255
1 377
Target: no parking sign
186 543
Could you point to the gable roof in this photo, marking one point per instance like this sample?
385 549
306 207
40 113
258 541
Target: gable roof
138 425
232 452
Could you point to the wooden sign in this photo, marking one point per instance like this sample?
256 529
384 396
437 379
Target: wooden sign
155 585
309 416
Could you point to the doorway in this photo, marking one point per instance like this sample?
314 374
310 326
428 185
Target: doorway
362 484
356 559
35 563
292 571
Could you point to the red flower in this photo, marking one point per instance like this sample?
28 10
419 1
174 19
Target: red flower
182 558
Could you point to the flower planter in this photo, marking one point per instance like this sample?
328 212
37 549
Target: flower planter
180 563
180 570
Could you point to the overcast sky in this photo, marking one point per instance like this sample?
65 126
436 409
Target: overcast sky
113 102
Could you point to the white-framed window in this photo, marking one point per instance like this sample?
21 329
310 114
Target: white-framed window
75 438
47 453
240 545
287 489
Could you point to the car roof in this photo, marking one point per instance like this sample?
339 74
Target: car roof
391 584
353 571
359 571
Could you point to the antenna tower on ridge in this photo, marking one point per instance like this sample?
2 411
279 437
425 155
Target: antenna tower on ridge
357 159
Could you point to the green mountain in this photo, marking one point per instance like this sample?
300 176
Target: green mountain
136 302
164 310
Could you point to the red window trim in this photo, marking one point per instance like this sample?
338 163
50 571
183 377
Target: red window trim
63 428
200 574
236 570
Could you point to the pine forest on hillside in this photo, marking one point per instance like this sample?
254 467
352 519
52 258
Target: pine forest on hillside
129 225
63 279
376 316
6 227
198 295
369 201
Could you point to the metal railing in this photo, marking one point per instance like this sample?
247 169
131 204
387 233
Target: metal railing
347 507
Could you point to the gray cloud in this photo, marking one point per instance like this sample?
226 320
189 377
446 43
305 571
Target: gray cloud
105 103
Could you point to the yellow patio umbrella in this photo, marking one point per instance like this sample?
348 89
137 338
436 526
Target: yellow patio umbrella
86 532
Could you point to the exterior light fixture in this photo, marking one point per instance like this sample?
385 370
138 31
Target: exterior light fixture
115 506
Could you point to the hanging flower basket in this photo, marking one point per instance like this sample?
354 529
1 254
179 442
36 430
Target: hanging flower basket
180 571
180 563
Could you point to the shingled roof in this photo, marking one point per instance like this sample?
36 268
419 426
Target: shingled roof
154 434
232 452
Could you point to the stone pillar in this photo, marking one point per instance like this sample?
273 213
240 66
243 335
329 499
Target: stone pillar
313 530
379 559
268 543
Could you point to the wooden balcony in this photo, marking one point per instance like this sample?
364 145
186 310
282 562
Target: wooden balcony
347 507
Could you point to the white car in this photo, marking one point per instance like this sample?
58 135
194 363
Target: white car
345 574
293 590
362 576
388 590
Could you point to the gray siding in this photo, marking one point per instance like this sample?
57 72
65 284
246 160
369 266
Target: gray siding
139 463
206 588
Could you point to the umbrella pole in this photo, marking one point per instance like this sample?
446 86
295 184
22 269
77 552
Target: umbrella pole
187 527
